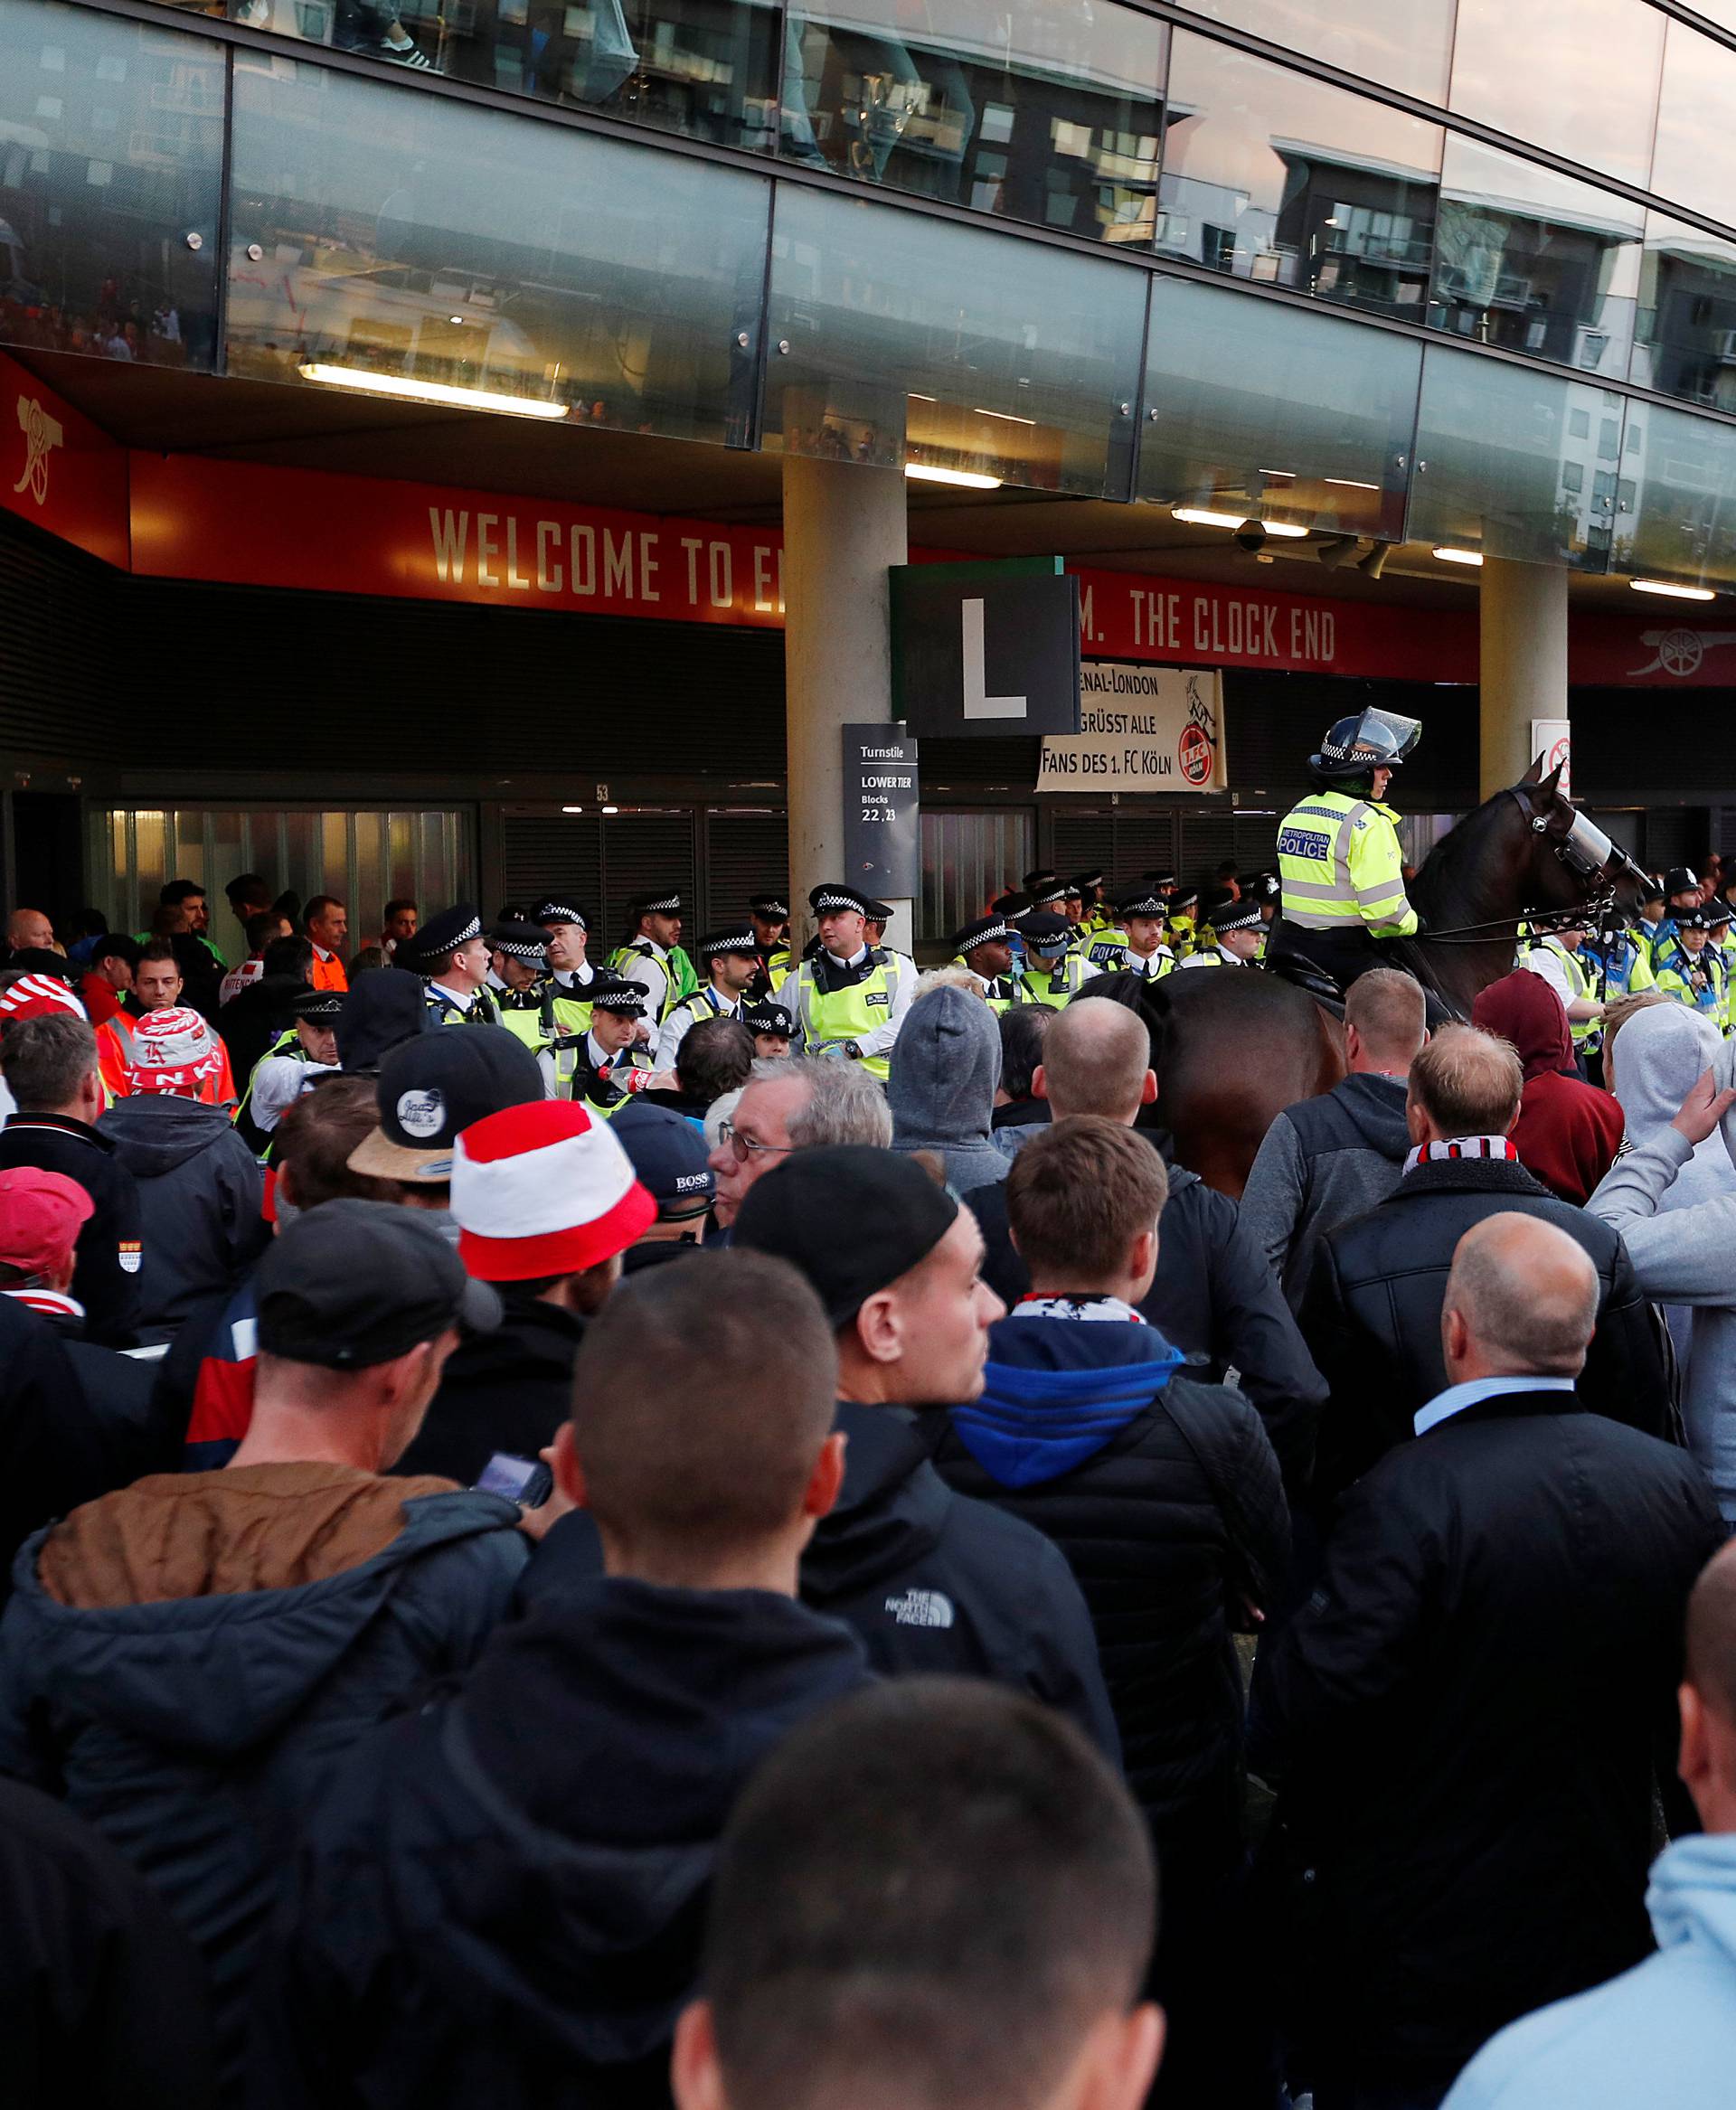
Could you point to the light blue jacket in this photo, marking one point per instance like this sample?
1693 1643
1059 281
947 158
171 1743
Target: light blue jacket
1661 2034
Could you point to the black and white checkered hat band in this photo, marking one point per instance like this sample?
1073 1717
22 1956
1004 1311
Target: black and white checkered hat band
559 912
471 930
518 948
1239 916
994 932
831 900
630 999
770 908
1147 905
744 943
1049 894
665 904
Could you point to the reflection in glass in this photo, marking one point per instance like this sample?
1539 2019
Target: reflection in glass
1696 162
1328 448
423 247
921 341
1401 43
1514 462
704 68
1047 111
1687 315
1577 76
1271 176
110 167
1680 523
1534 262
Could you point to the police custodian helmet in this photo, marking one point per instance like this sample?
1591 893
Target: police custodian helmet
1366 741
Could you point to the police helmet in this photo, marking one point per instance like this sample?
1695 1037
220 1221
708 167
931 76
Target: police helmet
1367 741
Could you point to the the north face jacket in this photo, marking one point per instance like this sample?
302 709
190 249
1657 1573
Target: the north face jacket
929 1580
183 1660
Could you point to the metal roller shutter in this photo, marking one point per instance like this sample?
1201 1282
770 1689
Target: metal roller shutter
743 852
647 853
553 853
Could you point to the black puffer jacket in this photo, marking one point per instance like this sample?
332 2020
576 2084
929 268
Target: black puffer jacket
508 1390
1165 1497
1372 1314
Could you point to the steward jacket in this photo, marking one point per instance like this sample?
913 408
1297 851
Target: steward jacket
929 1580
1464 1725
501 1898
109 1250
183 1660
1213 1298
1321 1163
1165 1497
1372 1314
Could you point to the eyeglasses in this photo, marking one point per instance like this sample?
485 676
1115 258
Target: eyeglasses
747 1146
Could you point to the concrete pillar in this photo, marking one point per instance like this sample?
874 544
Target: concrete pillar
844 525
1522 625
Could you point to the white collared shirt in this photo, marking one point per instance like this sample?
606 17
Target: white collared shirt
462 999
1455 1398
575 977
854 960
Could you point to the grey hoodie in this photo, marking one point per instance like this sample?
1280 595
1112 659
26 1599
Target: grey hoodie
1683 1256
1323 1161
945 1067
200 1196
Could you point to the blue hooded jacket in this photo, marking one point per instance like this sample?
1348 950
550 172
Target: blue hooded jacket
1662 2033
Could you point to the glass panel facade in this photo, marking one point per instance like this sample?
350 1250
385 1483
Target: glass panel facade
402 243
110 169
1515 464
1695 161
1047 111
1529 260
1273 177
704 68
968 859
893 339
1328 449
1679 519
1578 77
1687 315
1401 43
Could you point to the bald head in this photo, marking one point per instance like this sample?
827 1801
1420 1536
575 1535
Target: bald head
1711 1635
28 929
1522 1301
1097 1060
1465 1082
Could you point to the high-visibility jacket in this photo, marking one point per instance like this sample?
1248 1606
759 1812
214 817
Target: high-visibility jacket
1151 967
643 961
1213 956
1001 992
1586 1031
702 1003
1055 986
1621 969
540 1016
856 1005
628 1075
1104 947
1700 983
1341 868
445 1010
1180 934
327 972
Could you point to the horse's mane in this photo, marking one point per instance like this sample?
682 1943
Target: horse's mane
1456 881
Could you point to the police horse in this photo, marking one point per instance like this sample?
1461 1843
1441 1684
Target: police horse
1232 1050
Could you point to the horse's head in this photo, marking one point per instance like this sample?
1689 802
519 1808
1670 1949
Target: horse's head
1573 861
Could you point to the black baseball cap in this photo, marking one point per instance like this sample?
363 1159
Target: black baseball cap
668 1153
432 1088
381 1009
355 1284
851 1219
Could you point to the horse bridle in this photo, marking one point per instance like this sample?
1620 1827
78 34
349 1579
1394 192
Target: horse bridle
1585 852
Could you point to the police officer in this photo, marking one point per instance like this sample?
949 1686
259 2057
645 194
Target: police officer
1181 919
1339 857
850 998
1054 971
984 948
1141 919
650 957
880 914
302 1052
1557 956
1652 914
772 1028
1094 913
526 997
569 937
770 913
612 1067
1691 969
1264 891
731 959
1230 934
451 955
1683 891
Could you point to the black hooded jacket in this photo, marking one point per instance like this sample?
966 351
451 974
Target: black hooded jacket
500 1899
931 1580
508 1390
108 1249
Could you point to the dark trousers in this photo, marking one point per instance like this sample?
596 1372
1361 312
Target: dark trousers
1410 2095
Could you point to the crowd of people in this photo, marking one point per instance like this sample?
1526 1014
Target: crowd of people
738 1533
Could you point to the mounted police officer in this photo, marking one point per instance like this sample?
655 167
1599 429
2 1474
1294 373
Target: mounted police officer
1690 969
729 960
1054 971
1231 930
612 1066
850 997
451 955
1339 857
984 948
1141 919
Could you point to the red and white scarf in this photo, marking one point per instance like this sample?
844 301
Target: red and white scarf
1498 1147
